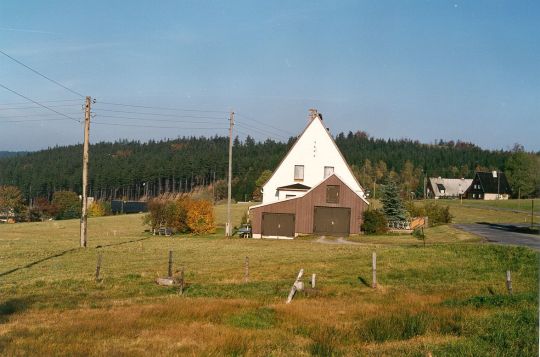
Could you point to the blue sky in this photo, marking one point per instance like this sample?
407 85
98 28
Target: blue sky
397 69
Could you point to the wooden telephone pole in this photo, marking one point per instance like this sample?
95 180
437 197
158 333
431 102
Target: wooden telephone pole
84 215
228 228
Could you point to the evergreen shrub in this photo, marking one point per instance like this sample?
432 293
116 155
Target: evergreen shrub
374 222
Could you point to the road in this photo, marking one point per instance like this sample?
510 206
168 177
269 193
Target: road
502 234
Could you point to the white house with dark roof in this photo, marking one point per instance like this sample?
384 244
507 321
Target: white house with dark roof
313 157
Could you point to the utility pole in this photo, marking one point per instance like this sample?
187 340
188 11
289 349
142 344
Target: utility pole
84 216
228 228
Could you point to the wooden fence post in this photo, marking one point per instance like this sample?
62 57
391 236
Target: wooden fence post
313 281
296 286
374 268
182 281
170 264
98 265
509 282
246 270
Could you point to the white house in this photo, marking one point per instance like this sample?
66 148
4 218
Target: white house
314 157
313 191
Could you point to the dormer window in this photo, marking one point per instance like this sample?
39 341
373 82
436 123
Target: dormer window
328 170
298 172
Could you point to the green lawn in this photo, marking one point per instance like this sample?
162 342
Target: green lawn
512 204
448 298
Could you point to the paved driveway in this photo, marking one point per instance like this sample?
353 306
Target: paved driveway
502 234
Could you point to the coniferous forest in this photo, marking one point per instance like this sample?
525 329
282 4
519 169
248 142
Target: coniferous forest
131 169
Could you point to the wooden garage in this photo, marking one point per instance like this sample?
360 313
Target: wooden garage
278 224
330 208
333 221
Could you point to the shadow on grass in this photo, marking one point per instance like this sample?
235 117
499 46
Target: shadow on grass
12 306
122 243
29 265
363 281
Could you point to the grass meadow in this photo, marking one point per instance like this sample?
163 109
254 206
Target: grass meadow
447 298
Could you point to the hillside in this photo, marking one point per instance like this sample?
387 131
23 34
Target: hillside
10 153
131 168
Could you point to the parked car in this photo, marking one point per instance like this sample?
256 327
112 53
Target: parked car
244 231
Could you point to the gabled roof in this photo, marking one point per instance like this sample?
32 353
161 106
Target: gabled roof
491 184
318 117
294 187
451 187
311 189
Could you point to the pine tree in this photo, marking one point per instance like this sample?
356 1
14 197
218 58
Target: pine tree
392 205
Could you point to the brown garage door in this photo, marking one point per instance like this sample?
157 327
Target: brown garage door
278 224
332 221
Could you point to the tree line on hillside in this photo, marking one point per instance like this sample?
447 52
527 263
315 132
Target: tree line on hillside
131 169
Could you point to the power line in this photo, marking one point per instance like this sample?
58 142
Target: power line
33 107
33 115
42 75
162 108
152 120
41 105
263 123
261 131
44 101
30 120
158 127
161 114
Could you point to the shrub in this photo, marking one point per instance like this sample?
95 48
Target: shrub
200 217
170 214
374 222
182 215
67 204
415 210
98 209
437 214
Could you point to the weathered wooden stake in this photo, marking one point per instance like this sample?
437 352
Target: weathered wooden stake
98 266
374 268
246 270
296 286
509 282
313 281
182 281
170 264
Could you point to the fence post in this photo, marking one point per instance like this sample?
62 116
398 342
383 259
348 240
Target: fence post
374 268
98 265
509 282
313 281
246 270
170 264
182 281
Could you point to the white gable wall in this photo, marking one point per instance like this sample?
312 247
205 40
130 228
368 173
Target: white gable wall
315 149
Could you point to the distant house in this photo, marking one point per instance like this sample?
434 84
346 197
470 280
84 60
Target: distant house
313 190
489 186
439 187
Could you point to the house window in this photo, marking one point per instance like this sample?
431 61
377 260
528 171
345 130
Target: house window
328 170
290 196
298 172
332 194
474 195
